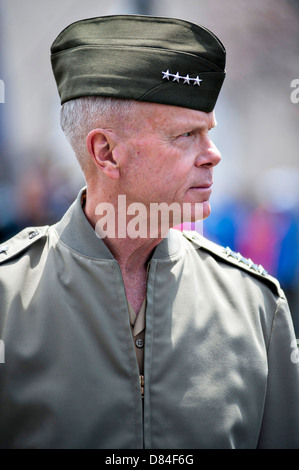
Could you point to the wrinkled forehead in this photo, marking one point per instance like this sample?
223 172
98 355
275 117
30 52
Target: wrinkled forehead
158 116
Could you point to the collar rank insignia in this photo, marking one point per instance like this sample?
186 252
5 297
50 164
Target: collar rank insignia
248 262
4 249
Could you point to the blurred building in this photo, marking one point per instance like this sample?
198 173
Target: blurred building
255 201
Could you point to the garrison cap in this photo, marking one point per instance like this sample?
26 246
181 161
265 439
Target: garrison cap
143 58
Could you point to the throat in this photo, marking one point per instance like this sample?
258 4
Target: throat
135 288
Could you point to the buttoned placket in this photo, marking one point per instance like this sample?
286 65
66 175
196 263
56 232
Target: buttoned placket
138 331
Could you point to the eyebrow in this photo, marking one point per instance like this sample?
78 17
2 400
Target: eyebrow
175 127
201 126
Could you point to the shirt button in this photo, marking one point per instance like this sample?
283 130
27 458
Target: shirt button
139 343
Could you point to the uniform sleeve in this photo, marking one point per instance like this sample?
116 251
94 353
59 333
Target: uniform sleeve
280 425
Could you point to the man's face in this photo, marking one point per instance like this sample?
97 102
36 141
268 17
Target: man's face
170 158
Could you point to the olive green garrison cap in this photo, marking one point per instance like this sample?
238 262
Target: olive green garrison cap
144 58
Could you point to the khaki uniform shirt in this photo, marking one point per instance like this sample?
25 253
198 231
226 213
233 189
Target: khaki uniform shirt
219 363
138 331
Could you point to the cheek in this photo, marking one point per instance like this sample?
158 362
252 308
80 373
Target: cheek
159 169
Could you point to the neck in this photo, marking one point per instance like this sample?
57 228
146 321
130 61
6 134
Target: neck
118 231
132 253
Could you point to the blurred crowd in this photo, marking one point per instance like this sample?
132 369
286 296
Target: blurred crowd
39 196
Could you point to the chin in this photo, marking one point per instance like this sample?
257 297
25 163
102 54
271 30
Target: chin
201 212
206 210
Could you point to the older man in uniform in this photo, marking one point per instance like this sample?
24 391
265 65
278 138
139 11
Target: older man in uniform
120 341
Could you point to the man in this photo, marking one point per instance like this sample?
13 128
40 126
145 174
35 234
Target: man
118 334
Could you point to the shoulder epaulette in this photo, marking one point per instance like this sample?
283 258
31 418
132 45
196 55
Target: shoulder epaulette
229 256
20 242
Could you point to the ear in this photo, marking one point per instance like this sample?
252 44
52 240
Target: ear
100 144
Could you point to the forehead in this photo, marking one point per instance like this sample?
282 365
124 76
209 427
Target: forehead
160 116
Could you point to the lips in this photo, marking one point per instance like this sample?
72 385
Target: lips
202 186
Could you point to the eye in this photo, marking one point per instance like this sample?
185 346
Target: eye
186 134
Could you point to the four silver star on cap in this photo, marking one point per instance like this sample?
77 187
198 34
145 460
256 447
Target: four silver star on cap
177 77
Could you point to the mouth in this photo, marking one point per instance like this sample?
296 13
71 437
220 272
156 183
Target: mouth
202 192
202 187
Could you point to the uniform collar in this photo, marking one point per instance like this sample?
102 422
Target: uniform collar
75 231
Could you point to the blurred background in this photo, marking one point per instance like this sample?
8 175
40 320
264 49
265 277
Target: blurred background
255 202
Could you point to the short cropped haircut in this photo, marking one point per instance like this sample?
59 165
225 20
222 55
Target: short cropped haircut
80 116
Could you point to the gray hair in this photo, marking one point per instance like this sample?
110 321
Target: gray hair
78 117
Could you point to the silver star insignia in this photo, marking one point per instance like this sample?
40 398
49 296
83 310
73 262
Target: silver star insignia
197 81
166 75
187 79
176 78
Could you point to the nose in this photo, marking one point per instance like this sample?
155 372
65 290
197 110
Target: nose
208 155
